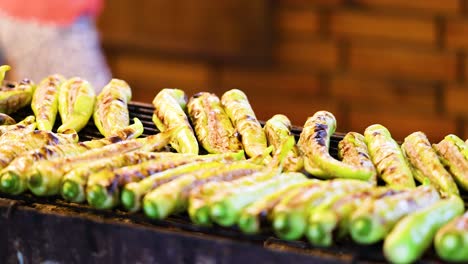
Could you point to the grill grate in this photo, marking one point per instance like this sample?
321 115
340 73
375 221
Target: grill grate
265 245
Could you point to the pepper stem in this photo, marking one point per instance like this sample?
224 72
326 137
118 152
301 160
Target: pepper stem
3 70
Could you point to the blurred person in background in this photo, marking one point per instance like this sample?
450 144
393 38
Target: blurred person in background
43 37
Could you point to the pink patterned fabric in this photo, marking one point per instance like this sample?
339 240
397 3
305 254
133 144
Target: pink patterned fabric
59 12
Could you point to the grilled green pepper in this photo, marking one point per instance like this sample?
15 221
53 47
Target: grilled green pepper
133 192
13 178
13 144
45 101
103 187
260 210
13 95
374 219
74 182
291 214
454 155
314 143
451 241
414 233
335 218
276 130
26 125
174 195
426 164
235 174
388 158
75 104
111 111
46 177
6 120
169 111
212 126
243 118
227 206
352 149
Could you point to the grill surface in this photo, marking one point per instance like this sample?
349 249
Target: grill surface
40 229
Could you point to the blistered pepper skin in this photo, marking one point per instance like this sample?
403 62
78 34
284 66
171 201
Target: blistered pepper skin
76 103
111 108
425 162
212 125
45 101
386 154
314 143
170 106
243 118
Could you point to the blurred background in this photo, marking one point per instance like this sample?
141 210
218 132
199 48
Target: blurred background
400 63
396 62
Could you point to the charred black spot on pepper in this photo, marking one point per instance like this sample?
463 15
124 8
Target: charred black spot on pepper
363 154
198 94
115 139
10 85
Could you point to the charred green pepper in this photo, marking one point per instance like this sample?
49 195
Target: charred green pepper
174 196
45 101
6 120
212 126
13 178
111 111
46 177
169 111
26 125
276 130
314 143
74 182
453 153
352 149
13 95
103 187
426 164
243 118
260 210
13 144
451 241
326 221
414 233
75 103
388 158
374 219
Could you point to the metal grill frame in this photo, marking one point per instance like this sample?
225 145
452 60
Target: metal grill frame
39 229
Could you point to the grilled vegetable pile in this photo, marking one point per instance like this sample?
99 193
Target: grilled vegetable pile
214 161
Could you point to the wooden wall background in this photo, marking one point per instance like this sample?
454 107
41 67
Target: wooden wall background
396 62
